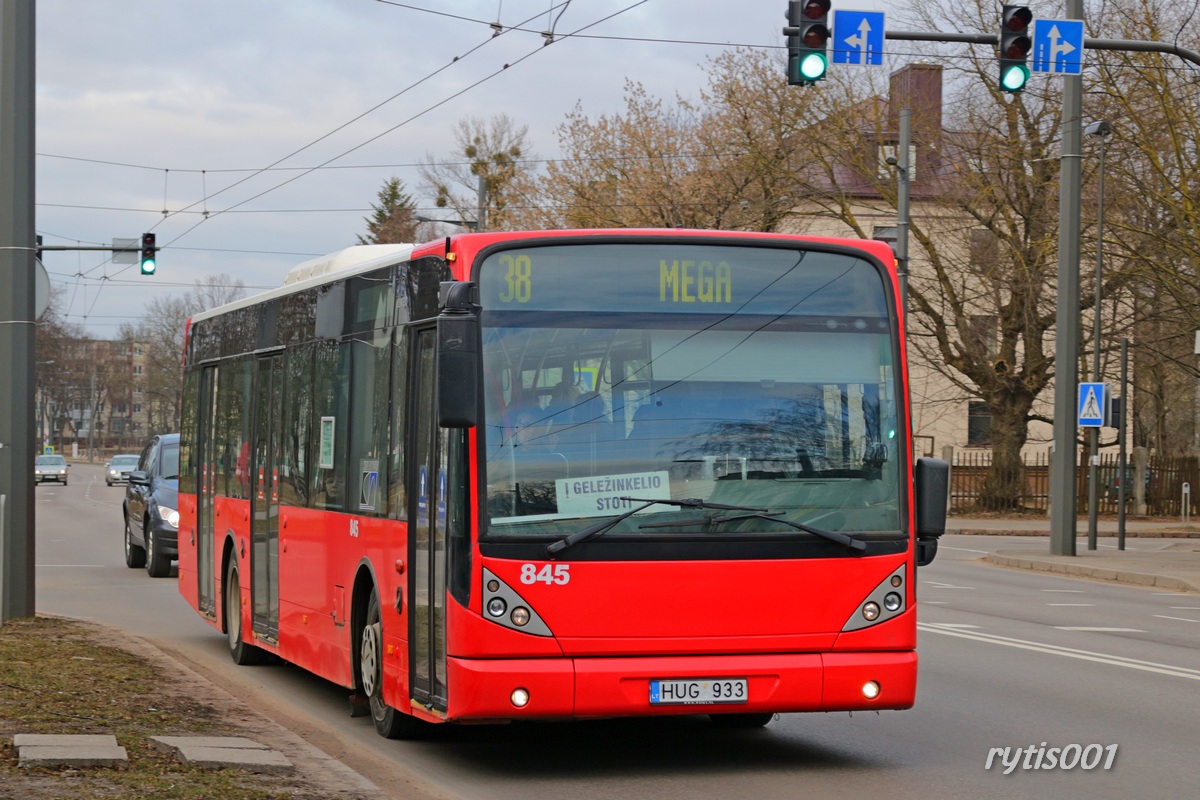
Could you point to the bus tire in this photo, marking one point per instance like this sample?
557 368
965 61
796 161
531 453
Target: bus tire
389 723
741 721
242 653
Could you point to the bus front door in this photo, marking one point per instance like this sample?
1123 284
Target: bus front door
427 534
264 498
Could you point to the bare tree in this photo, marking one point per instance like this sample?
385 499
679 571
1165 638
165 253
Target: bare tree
1152 212
160 332
490 162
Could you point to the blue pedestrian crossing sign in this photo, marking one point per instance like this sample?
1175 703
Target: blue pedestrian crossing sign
1057 46
1092 397
858 37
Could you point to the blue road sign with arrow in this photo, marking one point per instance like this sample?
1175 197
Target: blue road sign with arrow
858 37
1057 46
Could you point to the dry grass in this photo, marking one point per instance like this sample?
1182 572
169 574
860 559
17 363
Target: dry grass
59 676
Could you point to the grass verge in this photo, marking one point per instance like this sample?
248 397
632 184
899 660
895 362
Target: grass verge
61 676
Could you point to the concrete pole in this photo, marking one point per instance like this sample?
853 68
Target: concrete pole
17 329
1066 349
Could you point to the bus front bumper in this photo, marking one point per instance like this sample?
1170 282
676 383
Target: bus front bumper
493 690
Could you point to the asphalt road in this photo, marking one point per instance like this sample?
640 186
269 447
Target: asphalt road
1009 659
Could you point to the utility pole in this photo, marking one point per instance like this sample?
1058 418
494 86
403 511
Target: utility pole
481 200
1066 342
17 331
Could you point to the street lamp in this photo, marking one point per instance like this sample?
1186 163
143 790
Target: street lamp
1099 130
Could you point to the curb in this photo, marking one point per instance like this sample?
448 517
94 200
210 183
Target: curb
1096 573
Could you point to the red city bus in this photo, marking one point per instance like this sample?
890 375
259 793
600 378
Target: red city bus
565 474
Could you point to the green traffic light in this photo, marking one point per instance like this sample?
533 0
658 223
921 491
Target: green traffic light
813 66
1014 78
148 266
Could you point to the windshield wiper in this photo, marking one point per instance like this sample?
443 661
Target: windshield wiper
555 548
859 547
837 537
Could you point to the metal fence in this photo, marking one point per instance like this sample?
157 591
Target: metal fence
1167 480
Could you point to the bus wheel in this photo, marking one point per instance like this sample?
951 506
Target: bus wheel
389 722
740 721
242 653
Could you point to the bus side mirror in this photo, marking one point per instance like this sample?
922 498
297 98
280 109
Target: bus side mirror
931 489
458 356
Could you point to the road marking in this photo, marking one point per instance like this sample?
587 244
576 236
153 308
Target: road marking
1063 591
952 625
1067 652
934 602
1185 608
1098 630
937 585
1072 605
964 549
1180 619
1171 594
70 566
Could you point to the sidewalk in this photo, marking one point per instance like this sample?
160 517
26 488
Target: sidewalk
1171 563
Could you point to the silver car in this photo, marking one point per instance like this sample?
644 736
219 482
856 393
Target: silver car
50 468
117 470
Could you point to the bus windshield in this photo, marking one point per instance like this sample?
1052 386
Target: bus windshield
758 377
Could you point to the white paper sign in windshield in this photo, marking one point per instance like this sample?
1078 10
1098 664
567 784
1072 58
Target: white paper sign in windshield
600 495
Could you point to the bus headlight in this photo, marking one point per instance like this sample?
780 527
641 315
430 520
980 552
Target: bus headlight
520 616
886 601
496 607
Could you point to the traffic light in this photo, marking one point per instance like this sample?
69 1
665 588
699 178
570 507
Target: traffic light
148 254
1015 45
808 49
38 252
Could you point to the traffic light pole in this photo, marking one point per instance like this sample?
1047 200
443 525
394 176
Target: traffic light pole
147 248
1066 343
101 248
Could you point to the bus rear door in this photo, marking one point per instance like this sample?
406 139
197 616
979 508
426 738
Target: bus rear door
264 498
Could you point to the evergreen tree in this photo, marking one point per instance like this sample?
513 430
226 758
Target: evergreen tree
395 218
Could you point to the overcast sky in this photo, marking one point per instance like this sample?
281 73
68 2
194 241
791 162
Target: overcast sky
182 104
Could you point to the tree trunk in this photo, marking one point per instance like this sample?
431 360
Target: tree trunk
1004 486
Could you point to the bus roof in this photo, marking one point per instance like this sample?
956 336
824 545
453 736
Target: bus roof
347 262
356 260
